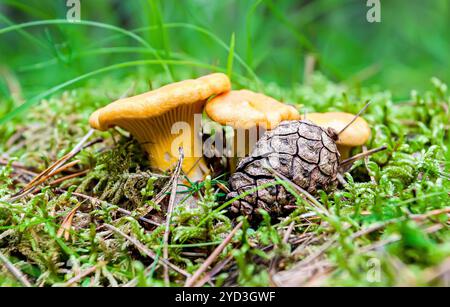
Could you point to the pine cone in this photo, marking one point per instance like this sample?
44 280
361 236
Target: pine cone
301 151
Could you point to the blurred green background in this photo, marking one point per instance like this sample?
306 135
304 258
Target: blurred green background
267 38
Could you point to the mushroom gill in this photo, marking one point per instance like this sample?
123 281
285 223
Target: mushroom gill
156 118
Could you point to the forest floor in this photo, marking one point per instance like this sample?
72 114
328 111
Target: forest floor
100 219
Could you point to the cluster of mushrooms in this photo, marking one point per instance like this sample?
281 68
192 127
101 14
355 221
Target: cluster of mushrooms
150 118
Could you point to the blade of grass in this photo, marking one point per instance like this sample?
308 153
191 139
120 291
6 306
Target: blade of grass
106 50
28 9
155 7
231 56
23 33
156 10
301 39
87 23
200 30
238 78
248 19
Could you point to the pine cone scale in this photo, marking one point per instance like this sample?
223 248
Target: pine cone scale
299 150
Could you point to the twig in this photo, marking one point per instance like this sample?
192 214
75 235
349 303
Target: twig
380 225
59 180
51 170
213 256
276 260
62 179
288 232
217 268
146 251
318 253
67 224
15 137
6 233
65 167
19 166
14 271
366 163
56 165
170 208
433 274
160 196
362 155
395 238
97 201
420 217
310 62
355 117
341 179
83 274
93 142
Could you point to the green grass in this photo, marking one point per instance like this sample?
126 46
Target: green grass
381 229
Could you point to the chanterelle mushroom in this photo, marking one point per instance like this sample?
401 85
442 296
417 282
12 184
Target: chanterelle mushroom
356 134
244 110
150 117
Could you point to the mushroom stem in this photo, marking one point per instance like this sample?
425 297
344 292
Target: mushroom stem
344 151
161 137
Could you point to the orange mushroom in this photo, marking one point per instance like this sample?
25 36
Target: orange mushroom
356 135
150 118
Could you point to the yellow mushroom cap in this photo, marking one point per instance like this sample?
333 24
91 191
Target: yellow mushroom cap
245 109
160 101
357 134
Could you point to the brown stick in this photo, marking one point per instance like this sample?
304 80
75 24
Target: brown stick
59 180
170 208
14 271
215 270
160 196
6 233
288 232
97 201
380 225
394 238
52 169
20 166
366 164
362 155
146 251
83 274
74 175
213 256
355 117
66 225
